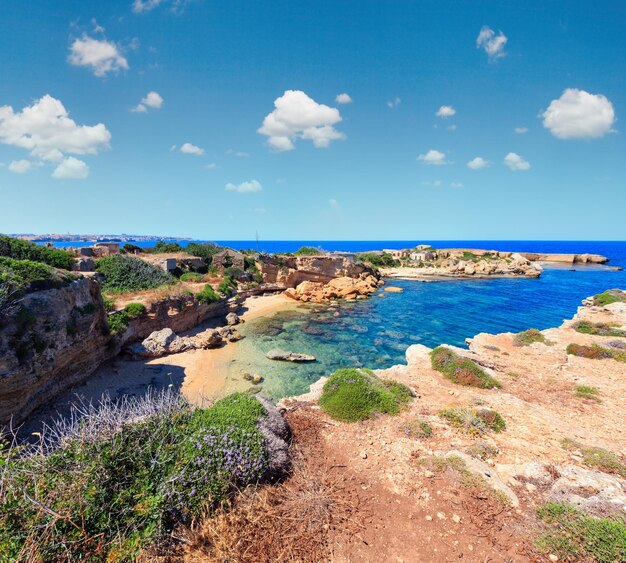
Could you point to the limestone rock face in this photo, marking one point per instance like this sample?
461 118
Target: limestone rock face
51 340
159 343
339 288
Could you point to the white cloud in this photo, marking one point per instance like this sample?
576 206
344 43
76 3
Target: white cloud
343 99
521 130
477 163
491 43
245 187
188 148
239 154
71 168
394 103
45 129
211 166
433 157
515 162
100 55
152 100
143 6
445 111
435 184
579 115
299 117
456 185
20 166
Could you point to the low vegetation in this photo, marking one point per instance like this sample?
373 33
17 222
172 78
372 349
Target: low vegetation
207 295
599 329
416 429
123 273
162 247
102 488
599 458
461 371
529 337
227 287
26 250
354 394
384 260
587 392
307 251
206 251
609 296
193 277
474 421
574 535
18 277
595 352
134 310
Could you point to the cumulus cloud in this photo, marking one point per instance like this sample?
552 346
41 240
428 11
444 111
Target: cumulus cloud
188 148
343 99
245 187
20 166
152 100
394 103
477 163
433 157
100 55
46 130
445 111
143 6
71 168
296 116
515 162
579 115
521 130
491 43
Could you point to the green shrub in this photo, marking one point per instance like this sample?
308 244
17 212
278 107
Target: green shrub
26 250
134 310
600 458
227 287
114 486
191 277
130 248
118 322
162 247
461 371
307 251
587 392
207 295
384 260
609 296
206 251
109 303
575 536
474 421
595 352
598 329
528 337
123 273
353 394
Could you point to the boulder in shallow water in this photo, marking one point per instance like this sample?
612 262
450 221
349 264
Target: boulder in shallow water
393 289
282 356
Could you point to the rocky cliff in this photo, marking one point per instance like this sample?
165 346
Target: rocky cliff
50 341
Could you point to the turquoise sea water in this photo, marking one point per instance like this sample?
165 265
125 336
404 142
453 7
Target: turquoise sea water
375 333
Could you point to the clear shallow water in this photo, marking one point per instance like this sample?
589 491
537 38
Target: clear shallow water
375 333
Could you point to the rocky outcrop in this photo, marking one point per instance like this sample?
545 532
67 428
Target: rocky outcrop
282 356
49 341
339 288
566 258
290 271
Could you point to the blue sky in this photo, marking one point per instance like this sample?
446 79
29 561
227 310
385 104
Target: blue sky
76 155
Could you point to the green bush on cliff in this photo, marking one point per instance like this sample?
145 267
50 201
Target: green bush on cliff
353 394
207 295
384 260
193 277
609 296
307 251
227 287
595 352
206 251
134 310
124 273
105 488
26 250
599 329
474 421
529 337
461 371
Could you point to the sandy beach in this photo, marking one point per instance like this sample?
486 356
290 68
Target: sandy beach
201 375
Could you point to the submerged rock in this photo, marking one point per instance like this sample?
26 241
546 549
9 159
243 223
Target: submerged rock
393 289
282 356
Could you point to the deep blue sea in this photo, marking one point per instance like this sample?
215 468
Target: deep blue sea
376 332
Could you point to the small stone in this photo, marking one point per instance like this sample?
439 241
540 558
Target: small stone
456 518
530 487
441 516
429 517
363 455
428 474
553 557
